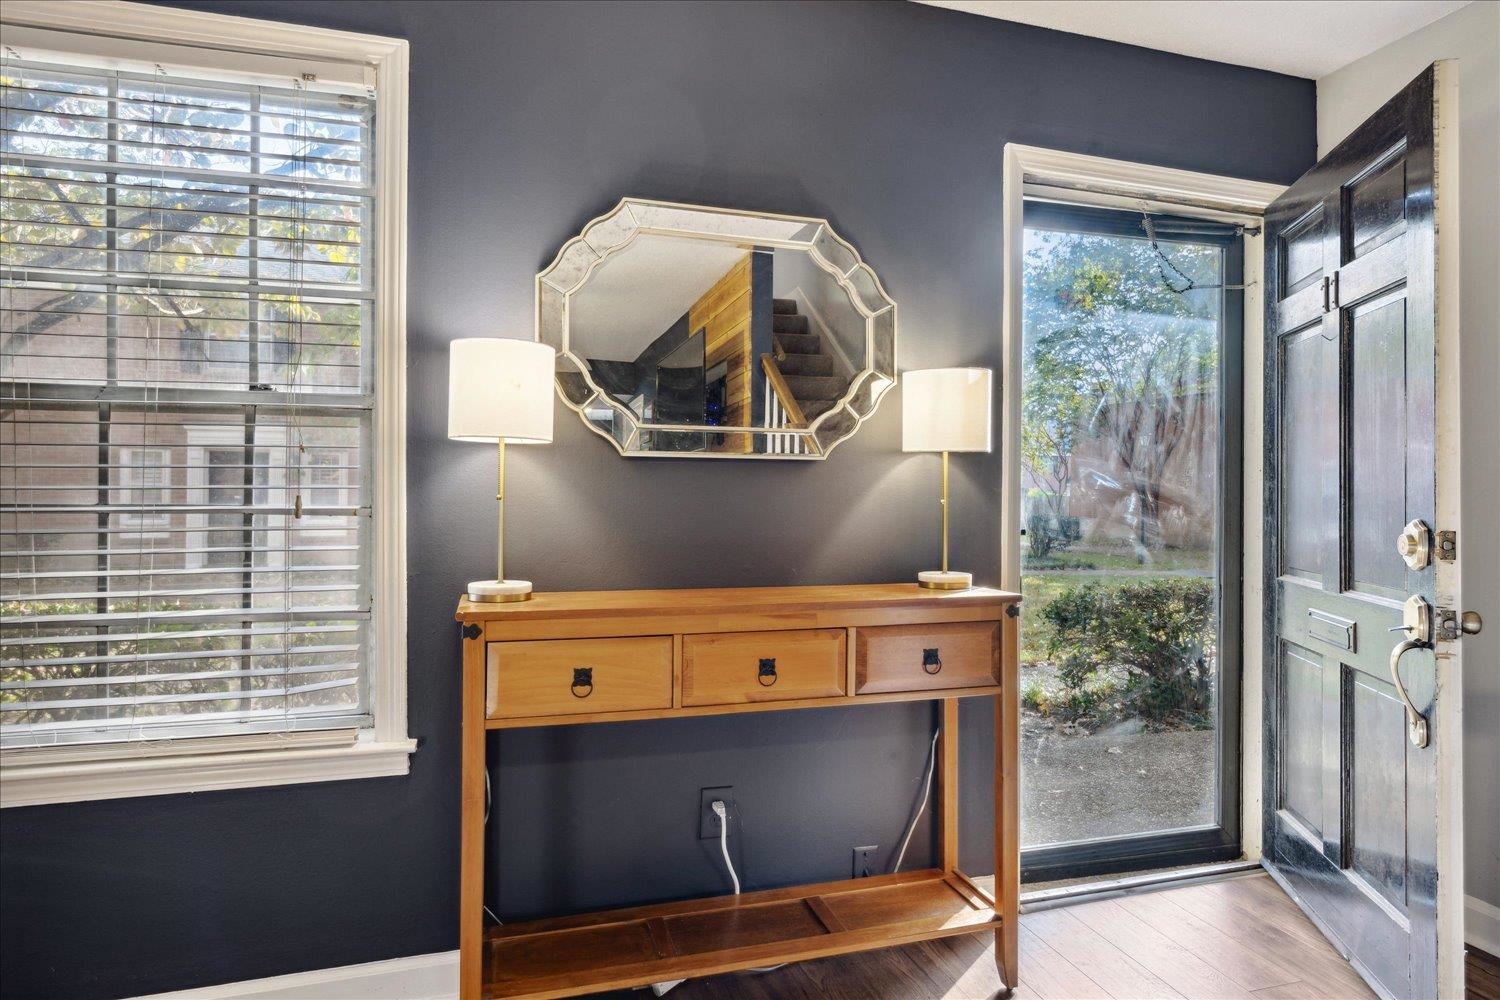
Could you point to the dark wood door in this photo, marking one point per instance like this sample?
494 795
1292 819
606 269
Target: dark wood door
1351 319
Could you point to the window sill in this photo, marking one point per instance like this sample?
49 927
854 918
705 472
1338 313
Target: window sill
132 773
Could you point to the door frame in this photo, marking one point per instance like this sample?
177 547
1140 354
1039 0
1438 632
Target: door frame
1449 463
1098 181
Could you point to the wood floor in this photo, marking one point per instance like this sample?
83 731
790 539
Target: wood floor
1238 938
1481 975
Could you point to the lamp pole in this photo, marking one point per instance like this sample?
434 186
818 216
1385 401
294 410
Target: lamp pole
943 502
500 504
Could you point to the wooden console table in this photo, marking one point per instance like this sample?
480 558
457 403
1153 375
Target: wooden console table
607 656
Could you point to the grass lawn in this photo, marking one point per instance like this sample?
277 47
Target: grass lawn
1080 558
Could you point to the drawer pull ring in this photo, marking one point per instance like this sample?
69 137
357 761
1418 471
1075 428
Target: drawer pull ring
767 669
931 662
583 682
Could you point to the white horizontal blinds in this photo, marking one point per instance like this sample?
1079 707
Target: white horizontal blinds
185 404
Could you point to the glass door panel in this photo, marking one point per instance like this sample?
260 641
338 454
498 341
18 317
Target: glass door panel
1124 504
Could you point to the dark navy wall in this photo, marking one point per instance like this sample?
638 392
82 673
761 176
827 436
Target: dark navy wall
527 120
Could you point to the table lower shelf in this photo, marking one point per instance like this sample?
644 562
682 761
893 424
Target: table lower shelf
567 956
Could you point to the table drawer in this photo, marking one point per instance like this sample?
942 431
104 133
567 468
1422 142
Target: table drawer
925 657
577 676
729 668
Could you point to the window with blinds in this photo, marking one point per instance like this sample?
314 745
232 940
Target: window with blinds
186 397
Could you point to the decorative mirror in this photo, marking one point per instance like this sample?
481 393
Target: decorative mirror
685 331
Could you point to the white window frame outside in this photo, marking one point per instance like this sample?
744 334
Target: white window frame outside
133 462
41 775
310 468
312 465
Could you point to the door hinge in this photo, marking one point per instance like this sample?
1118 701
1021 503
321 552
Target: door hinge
472 630
1447 545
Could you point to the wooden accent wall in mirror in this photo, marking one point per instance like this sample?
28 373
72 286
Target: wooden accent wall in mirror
704 332
608 656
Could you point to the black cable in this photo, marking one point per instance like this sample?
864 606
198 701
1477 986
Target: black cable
1164 262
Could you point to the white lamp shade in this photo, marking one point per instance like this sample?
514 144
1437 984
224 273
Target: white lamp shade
500 389
945 409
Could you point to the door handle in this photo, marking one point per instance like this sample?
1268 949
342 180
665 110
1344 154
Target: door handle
1416 722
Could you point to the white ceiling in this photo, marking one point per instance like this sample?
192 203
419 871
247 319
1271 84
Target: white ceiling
1307 38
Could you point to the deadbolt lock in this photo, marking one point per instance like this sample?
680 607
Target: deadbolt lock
1415 544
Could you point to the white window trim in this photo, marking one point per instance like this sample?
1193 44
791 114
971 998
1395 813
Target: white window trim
134 459
1095 180
38 776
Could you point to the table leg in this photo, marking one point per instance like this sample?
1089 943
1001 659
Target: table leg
471 837
1008 808
948 785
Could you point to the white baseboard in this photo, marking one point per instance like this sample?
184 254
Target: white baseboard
419 977
1482 925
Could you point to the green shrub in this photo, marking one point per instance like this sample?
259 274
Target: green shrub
1075 670
1046 532
1033 696
1086 698
1160 631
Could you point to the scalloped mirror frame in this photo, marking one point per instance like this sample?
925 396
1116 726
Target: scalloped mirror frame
617 229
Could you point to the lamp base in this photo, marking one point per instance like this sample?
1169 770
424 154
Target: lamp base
936 579
499 591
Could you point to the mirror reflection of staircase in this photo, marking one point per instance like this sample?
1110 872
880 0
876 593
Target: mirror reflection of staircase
810 370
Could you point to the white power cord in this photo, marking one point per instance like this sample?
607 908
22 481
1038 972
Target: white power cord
488 912
722 811
922 805
718 807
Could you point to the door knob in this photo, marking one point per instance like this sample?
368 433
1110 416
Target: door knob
1469 623
1414 544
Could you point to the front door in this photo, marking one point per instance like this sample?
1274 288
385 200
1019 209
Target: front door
1359 654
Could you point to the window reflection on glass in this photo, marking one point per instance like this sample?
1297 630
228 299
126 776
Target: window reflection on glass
1120 446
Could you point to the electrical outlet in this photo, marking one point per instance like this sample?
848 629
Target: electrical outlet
708 820
864 861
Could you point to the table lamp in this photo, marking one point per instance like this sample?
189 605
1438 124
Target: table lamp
500 391
945 409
